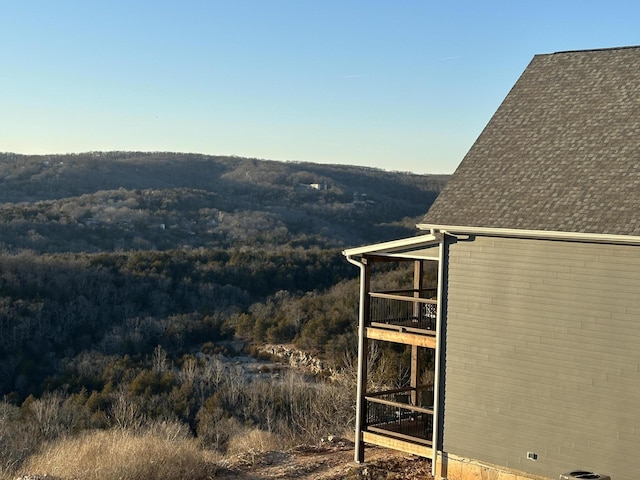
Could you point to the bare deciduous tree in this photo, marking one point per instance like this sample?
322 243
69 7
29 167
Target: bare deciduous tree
125 413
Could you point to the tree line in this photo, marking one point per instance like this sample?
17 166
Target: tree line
131 285
159 201
56 306
146 340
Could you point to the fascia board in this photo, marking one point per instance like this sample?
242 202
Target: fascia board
533 234
394 247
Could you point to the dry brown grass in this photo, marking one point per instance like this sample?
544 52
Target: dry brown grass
121 455
253 440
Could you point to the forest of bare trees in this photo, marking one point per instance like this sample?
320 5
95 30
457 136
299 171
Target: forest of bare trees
134 286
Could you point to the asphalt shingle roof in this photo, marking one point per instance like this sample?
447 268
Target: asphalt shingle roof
561 153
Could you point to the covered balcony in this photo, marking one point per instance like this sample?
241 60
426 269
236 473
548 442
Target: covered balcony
405 414
400 310
405 316
411 310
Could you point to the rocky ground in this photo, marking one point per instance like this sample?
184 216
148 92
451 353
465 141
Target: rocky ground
329 461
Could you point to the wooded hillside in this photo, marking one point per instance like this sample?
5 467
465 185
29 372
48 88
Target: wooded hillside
157 201
128 280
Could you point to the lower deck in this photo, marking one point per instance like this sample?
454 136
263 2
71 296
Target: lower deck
404 415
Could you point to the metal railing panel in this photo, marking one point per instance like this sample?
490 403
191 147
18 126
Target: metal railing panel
402 311
392 413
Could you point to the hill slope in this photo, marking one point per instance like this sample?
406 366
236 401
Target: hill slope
105 201
132 285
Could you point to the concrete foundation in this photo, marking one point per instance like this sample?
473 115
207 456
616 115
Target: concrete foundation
451 467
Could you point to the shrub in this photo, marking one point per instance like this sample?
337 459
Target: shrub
17 439
253 441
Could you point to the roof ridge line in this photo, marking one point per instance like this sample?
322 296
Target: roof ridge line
628 47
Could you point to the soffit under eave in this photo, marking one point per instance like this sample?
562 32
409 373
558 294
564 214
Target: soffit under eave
424 254
422 247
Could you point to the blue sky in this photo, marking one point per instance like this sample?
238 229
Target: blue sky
400 85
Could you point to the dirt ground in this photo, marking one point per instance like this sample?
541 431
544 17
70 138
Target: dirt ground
328 461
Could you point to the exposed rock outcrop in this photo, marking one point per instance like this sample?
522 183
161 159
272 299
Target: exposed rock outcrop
299 359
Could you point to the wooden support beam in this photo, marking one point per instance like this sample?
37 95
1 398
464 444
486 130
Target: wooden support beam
401 337
397 444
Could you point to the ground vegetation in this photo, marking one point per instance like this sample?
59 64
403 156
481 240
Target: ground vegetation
138 289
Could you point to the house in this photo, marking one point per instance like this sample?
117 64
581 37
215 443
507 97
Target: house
536 243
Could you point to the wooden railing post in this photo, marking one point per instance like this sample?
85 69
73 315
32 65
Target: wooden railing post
418 270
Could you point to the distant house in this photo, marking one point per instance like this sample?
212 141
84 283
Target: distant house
314 186
536 336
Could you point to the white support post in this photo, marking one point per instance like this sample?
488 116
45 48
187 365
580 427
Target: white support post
361 390
437 396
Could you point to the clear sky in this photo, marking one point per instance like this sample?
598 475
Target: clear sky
397 84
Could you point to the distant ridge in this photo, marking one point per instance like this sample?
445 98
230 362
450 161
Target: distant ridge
98 201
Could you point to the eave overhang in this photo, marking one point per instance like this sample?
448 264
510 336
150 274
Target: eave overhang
404 248
458 230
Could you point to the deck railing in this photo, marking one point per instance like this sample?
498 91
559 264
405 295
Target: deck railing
406 414
404 309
